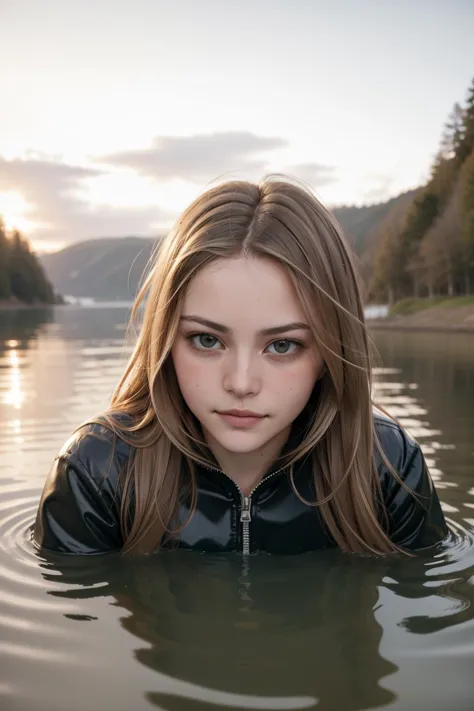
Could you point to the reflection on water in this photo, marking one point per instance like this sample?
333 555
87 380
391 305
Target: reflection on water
18 330
433 396
269 629
182 631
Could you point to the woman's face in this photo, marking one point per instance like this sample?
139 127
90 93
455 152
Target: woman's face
232 363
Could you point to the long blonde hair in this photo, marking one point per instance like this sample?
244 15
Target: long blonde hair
284 221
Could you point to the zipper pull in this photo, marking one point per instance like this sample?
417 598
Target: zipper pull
245 516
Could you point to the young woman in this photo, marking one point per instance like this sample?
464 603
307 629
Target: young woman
244 420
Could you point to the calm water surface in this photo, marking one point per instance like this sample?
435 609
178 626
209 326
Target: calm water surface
183 631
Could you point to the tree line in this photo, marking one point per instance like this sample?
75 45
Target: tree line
425 246
22 278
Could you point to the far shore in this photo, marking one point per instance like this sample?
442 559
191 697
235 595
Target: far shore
402 324
455 315
443 316
16 305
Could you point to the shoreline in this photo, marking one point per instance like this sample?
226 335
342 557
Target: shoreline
8 306
400 325
435 319
446 316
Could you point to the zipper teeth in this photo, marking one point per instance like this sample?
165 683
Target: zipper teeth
246 537
269 476
245 524
278 471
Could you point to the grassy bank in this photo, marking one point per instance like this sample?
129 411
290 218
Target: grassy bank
438 314
407 307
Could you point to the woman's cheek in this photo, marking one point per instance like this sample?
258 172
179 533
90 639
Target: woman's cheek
194 374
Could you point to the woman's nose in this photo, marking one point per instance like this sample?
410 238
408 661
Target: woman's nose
241 375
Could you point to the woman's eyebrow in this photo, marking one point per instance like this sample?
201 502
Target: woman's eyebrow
294 326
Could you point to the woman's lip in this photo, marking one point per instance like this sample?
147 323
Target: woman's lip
240 413
239 421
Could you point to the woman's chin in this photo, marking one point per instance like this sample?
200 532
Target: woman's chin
240 442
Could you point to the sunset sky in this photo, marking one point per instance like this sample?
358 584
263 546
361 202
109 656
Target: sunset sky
116 113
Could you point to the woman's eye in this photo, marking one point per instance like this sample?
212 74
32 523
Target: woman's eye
282 347
204 341
207 342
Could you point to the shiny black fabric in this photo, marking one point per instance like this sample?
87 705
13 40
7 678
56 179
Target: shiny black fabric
79 508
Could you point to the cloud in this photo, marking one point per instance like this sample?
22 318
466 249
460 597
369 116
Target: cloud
53 192
315 174
45 184
199 158
61 202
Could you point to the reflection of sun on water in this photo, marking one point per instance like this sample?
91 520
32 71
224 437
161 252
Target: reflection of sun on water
14 395
15 426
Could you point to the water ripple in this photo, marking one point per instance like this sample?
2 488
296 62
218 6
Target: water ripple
183 632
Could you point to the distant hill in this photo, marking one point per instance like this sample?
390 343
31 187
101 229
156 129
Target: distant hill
109 269
105 269
360 224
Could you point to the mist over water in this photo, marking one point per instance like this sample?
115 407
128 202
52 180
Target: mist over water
182 631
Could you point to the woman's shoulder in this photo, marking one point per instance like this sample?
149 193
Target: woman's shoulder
396 450
98 447
398 445
415 516
79 509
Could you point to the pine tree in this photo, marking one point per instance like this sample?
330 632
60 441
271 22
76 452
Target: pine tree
388 280
443 176
441 249
5 291
421 217
27 279
20 276
467 142
467 207
453 135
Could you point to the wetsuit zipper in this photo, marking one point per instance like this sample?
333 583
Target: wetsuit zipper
245 504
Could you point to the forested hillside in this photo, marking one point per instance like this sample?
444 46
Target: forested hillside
22 277
361 224
425 246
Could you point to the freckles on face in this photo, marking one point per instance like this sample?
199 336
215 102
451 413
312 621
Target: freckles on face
195 378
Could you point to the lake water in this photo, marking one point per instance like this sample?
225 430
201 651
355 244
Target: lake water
183 631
